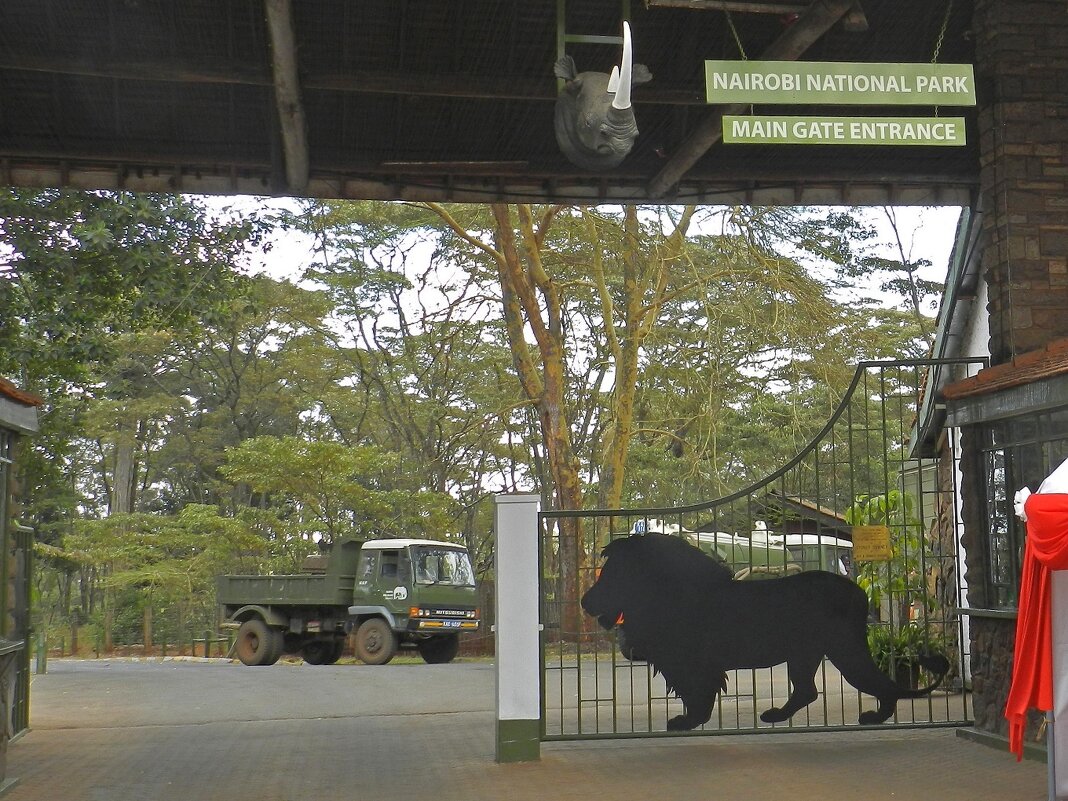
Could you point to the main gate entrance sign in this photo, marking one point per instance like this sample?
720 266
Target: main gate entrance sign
859 471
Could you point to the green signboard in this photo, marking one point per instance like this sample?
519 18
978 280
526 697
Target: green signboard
839 83
782 129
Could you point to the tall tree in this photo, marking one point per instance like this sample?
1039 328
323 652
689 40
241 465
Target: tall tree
429 377
79 268
331 490
80 272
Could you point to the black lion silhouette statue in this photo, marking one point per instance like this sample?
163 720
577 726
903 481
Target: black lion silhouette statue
685 614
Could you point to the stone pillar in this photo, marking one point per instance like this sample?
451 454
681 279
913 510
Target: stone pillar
992 637
1022 79
516 631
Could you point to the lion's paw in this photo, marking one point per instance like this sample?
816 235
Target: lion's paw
773 715
679 723
872 717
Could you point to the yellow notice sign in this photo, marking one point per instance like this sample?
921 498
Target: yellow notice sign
871 544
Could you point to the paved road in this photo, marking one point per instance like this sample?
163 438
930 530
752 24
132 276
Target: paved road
114 730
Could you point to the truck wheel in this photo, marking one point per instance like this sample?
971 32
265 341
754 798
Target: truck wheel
339 646
375 642
322 652
278 641
258 643
439 650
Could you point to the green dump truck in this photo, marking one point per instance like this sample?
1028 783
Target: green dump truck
398 593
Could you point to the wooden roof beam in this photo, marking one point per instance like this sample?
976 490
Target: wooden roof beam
740 6
287 93
479 87
795 40
855 20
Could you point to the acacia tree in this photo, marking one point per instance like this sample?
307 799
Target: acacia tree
329 489
538 266
583 296
163 561
868 265
427 371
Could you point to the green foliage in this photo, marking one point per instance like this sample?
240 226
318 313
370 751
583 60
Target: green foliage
849 239
891 647
330 489
200 422
176 555
901 581
80 267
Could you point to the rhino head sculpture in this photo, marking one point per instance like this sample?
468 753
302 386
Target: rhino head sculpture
594 120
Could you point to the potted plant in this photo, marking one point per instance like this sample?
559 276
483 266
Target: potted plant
900 652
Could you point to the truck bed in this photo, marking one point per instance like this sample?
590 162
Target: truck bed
304 589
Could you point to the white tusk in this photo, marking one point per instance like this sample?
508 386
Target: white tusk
622 98
613 80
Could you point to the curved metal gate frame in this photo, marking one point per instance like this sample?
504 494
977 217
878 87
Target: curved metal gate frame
864 467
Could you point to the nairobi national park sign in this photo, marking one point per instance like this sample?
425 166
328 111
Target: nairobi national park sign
841 83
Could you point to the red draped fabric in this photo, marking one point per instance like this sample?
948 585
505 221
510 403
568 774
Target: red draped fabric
1046 549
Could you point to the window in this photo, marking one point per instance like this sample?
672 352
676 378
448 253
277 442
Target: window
434 565
390 565
368 566
1017 452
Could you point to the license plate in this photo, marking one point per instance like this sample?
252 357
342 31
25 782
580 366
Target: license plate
451 624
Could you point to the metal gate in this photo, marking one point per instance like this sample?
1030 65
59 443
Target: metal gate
868 467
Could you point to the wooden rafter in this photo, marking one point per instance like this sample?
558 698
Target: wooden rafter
751 7
855 20
287 93
795 40
356 81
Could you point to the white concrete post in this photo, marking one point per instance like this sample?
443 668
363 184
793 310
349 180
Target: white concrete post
516 628
1057 726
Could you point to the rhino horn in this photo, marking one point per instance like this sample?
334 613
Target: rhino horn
613 81
622 95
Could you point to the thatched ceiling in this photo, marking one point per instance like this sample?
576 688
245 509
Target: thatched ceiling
436 99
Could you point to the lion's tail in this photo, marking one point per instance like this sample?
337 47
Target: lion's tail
933 663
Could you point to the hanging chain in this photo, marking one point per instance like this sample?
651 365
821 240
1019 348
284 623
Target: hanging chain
942 33
737 38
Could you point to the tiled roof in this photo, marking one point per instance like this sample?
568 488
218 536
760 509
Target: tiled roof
10 391
1026 368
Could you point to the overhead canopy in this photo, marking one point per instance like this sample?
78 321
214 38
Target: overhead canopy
443 100
18 412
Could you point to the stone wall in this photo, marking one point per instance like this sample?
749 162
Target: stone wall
1021 55
1022 82
992 642
992 638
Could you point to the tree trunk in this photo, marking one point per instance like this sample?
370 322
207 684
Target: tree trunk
146 626
125 472
109 617
532 304
645 285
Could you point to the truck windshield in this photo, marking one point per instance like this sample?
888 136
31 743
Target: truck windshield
442 566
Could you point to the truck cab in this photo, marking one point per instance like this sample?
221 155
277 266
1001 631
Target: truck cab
423 590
